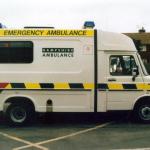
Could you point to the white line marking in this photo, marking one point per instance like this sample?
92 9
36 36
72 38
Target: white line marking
73 134
67 136
134 149
23 141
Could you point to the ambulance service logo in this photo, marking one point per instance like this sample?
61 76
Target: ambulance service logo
58 52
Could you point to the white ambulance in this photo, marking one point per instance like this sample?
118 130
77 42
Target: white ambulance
50 70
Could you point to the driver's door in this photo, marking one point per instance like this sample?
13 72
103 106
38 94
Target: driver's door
122 90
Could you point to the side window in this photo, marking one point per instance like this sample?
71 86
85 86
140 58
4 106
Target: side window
121 65
16 52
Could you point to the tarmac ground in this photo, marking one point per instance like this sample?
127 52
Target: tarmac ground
76 132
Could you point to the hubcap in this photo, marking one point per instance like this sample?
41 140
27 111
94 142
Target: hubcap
145 113
18 114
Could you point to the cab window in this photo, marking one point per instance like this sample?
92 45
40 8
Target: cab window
122 65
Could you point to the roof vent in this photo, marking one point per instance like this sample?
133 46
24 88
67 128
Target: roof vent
37 27
142 30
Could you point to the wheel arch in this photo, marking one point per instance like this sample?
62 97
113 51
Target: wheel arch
141 99
19 99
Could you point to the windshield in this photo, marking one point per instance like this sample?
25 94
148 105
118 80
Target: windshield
142 65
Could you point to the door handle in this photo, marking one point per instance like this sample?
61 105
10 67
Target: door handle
111 79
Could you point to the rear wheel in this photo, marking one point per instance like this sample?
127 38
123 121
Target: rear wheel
142 112
18 114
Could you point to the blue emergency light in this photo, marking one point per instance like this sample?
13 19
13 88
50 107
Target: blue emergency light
89 24
2 26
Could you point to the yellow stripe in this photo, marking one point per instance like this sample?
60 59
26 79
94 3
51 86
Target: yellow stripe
43 32
1 32
111 86
8 86
61 86
88 86
140 86
147 87
115 86
32 85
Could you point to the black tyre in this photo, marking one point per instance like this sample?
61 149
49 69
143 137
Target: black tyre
18 114
142 112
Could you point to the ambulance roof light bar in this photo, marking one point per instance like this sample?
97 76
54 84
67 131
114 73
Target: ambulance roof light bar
2 26
89 25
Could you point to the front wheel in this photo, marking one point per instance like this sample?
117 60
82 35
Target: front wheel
18 114
142 112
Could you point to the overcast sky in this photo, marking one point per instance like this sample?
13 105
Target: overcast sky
110 15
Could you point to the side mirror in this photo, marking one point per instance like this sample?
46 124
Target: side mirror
135 72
